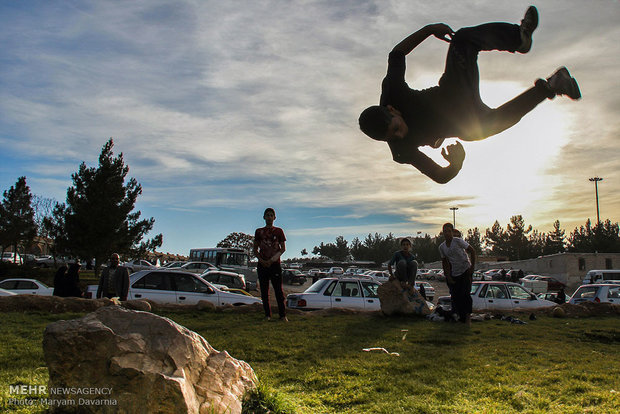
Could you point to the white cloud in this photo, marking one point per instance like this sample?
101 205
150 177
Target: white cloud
218 103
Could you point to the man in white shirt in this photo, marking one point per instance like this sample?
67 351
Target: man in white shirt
458 259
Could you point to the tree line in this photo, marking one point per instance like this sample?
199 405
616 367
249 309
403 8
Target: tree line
517 241
97 219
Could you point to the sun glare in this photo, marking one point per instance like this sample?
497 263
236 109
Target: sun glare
507 174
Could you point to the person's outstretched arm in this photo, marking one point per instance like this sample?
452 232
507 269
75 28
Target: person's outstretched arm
439 30
455 154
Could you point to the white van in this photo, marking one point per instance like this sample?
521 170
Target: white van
602 276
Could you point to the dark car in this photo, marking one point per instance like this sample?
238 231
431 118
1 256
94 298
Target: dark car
293 276
228 279
553 285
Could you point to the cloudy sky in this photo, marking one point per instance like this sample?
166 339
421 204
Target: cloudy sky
222 108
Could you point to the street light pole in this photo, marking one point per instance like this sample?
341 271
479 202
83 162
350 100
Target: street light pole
454 215
596 180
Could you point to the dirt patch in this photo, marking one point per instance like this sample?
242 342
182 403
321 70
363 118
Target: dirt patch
51 304
566 310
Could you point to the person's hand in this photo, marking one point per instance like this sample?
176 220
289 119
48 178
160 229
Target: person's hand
441 31
454 154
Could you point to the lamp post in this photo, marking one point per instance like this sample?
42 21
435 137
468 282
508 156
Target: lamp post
454 215
596 180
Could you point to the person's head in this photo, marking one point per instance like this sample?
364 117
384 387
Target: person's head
114 260
269 215
383 123
447 230
74 267
405 244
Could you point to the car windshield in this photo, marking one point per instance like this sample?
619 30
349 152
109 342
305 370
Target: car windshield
317 286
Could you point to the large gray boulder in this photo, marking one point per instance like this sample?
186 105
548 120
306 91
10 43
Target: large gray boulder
148 363
395 301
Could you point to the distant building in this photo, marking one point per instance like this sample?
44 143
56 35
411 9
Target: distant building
569 268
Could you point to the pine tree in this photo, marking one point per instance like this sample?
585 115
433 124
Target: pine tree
99 217
17 225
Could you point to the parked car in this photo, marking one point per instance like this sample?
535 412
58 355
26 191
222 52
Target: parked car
334 292
432 274
26 287
493 274
4 292
336 270
602 276
48 261
196 267
502 296
293 276
11 257
139 264
228 279
429 290
313 272
177 286
380 276
528 277
598 292
174 265
552 296
553 285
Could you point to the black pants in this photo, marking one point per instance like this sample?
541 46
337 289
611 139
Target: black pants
461 82
273 273
406 272
459 293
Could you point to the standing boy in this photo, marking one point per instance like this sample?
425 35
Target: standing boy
268 247
458 269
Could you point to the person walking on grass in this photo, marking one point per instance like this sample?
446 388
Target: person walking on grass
458 260
408 119
269 244
406 265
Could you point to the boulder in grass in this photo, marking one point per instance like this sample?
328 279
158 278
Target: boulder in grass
149 363
396 301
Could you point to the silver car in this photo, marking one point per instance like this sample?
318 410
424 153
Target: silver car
602 292
174 286
334 292
26 287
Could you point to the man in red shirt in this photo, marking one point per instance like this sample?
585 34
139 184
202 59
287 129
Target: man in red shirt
269 244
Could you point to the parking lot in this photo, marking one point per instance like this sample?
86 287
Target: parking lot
440 289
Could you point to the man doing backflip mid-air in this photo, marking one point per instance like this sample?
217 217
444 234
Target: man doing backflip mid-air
408 119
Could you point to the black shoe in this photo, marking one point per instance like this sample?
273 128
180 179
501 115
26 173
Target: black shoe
561 83
528 25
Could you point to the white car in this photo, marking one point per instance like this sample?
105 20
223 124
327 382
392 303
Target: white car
26 287
173 286
600 292
380 276
197 267
336 271
429 290
4 292
488 296
334 292
139 264
11 257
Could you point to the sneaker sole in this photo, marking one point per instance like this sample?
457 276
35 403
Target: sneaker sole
527 42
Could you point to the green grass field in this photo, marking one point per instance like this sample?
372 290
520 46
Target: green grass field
316 363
